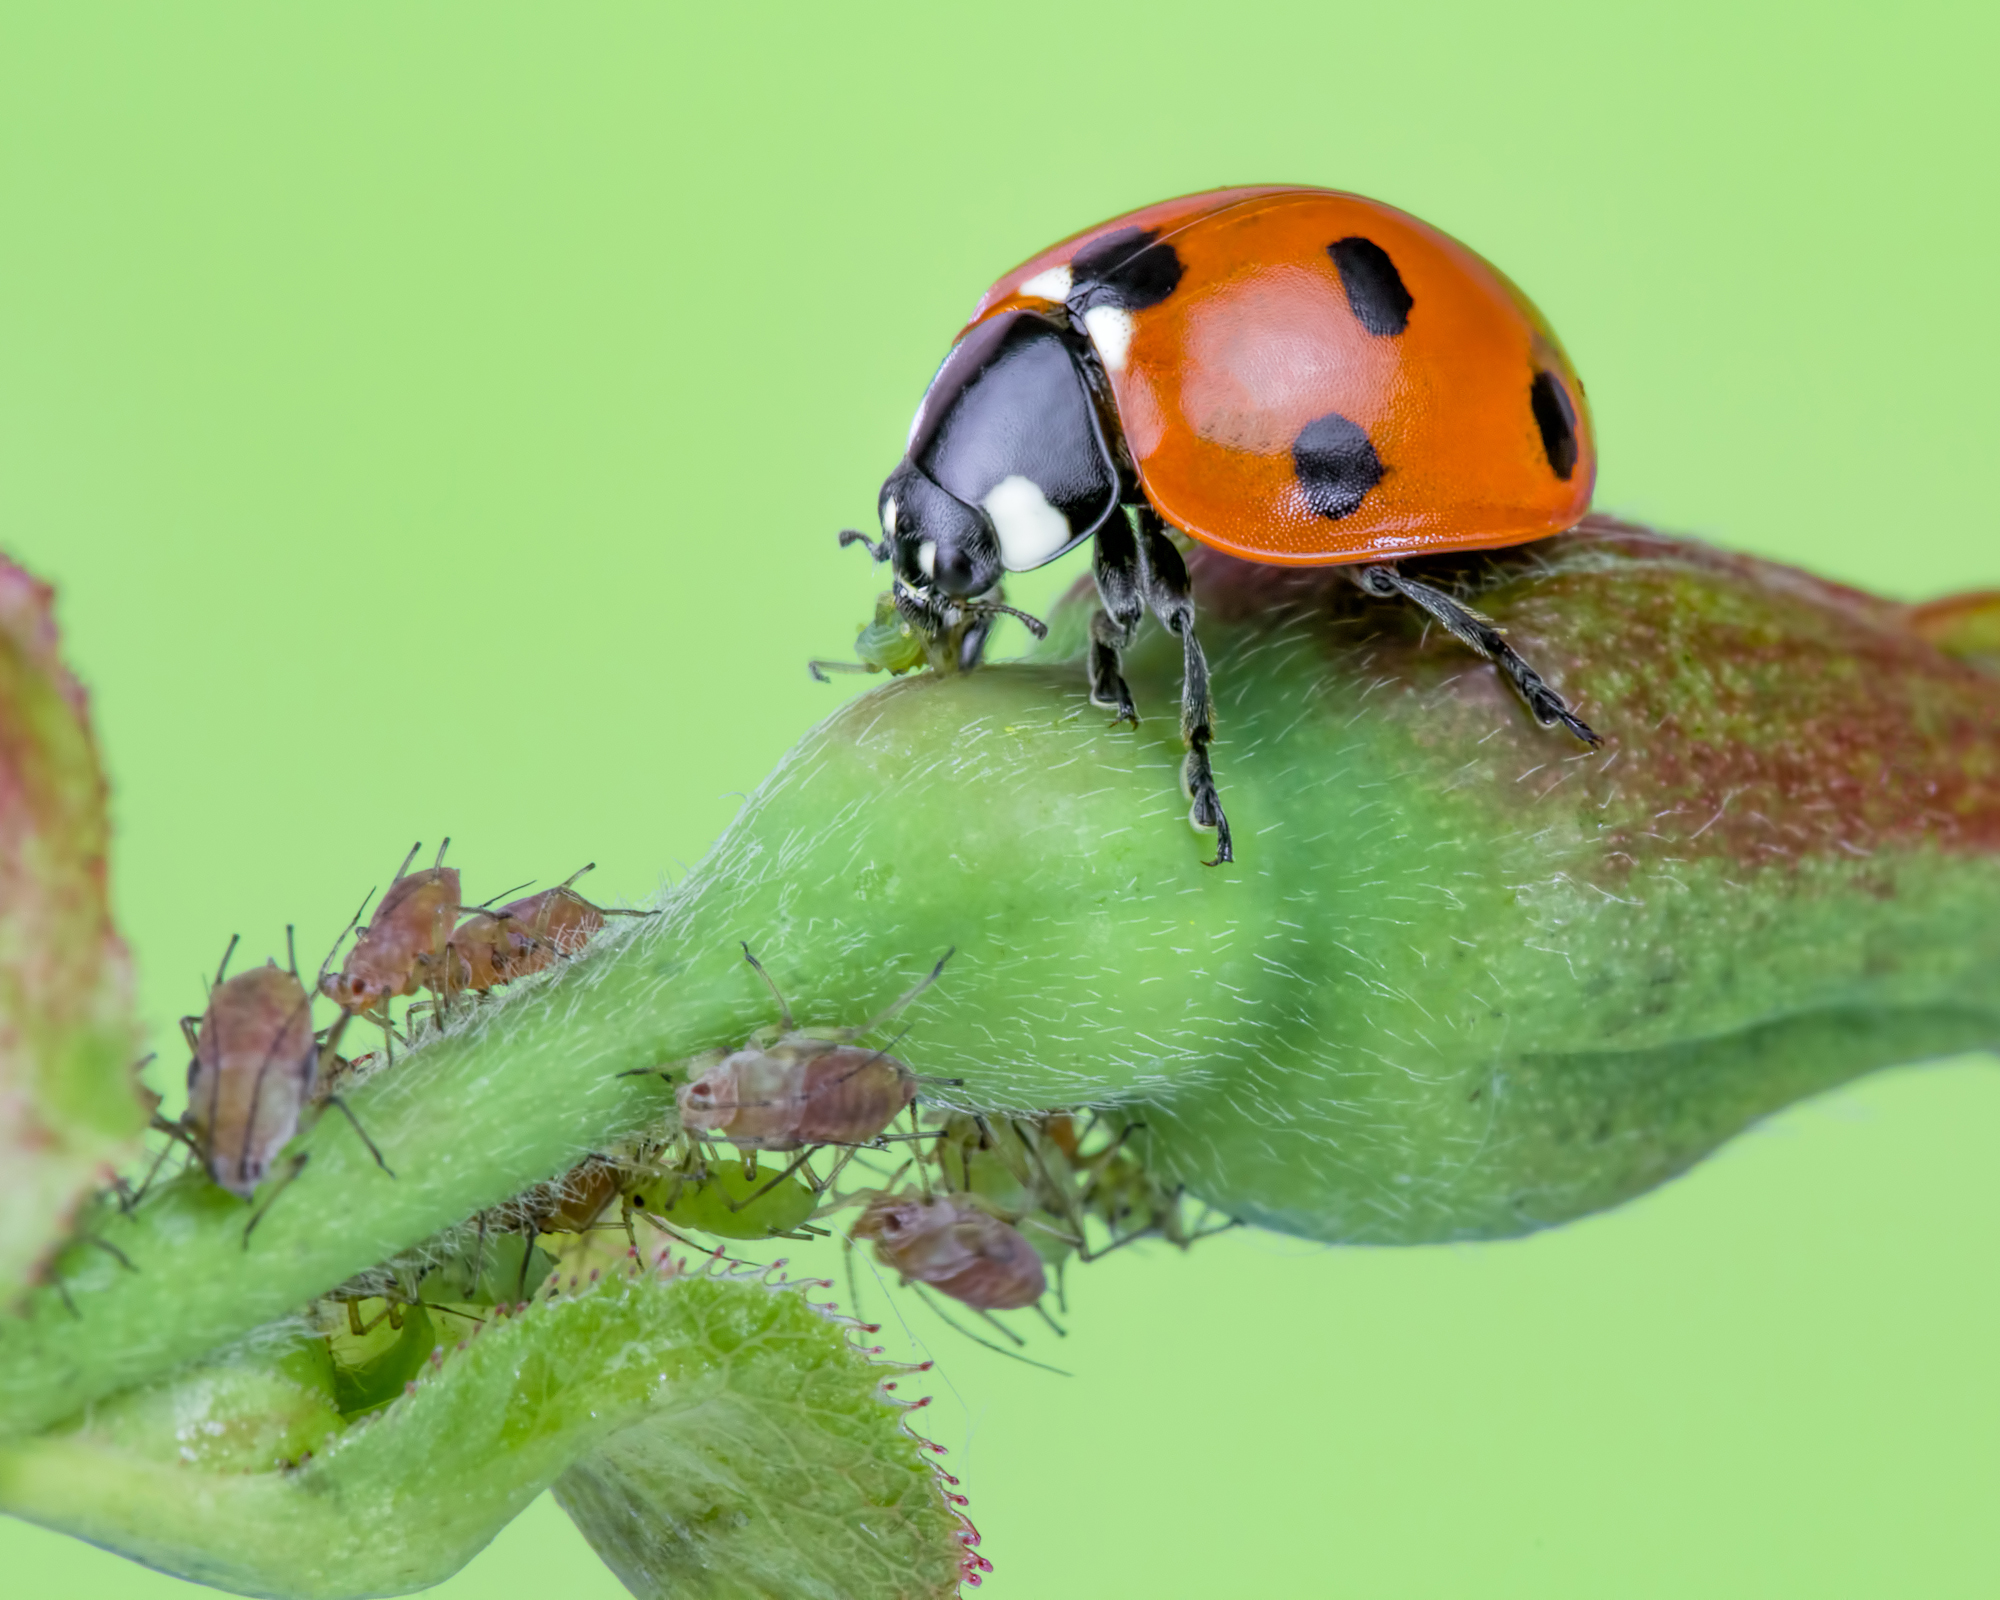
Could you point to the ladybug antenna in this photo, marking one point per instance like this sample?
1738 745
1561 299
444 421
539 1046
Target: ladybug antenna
984 608
850 536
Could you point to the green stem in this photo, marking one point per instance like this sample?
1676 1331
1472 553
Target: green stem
1466 979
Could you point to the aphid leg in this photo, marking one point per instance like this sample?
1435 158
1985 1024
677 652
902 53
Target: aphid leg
803 1157
1167 591
360 1132
784 1011
966 1333
1054 1326
1114 563
354 1319
1482 635
1063 1193
177 1134
853 1286
839 1163
298 1165
112 1251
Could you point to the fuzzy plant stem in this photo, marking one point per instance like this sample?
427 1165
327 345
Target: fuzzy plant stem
1465 980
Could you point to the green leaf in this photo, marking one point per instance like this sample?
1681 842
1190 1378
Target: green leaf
720 1432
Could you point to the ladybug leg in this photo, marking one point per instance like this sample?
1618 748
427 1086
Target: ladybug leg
1115 565
1480 633
1164 576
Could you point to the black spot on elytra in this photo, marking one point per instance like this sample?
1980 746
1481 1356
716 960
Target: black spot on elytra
1130 269
1375 291
1336 464
1556 417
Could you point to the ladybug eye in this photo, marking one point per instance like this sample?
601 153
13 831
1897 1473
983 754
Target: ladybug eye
889 518
927 558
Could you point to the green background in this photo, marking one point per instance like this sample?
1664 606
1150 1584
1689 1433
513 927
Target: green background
436 419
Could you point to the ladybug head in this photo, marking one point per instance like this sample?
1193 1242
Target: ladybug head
935 539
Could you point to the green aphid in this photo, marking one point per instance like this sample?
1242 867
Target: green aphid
372 1368
888 644
1030 1185
728 1204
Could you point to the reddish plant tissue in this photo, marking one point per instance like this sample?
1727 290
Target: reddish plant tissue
69 1104
1887 736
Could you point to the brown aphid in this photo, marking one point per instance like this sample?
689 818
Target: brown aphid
256 1069
787 1088
402 948
949 1243
524 936
582 1196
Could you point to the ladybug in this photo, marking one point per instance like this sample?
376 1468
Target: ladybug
1293 375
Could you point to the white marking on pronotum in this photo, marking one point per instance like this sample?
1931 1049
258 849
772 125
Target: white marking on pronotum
1050 285
927 558
1110 329
1031 530
889 518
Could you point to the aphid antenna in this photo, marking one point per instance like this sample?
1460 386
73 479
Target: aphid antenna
998 1350
340 938
523 884
785 1019
820 669
906 999
223 965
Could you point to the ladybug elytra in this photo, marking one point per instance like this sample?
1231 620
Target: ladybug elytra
1292 375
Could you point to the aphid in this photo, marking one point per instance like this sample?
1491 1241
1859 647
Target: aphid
1013 1170
730 1203
1295 376
523 936
402 949
890 644
788 1088
951 1243
255 1070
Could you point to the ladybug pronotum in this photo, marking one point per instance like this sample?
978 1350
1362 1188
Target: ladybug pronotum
1292 375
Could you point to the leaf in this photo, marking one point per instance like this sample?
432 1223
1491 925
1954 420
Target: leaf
70 1107
721 1428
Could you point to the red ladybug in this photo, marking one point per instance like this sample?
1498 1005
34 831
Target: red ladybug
1292 375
